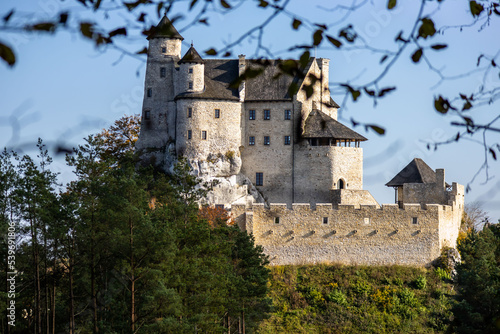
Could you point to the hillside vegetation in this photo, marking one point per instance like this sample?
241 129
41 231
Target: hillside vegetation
355 299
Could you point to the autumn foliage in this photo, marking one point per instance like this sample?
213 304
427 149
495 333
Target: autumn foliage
215 216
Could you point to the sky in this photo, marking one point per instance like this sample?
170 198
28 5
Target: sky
63 88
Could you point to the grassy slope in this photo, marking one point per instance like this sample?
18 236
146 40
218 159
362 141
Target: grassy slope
347 299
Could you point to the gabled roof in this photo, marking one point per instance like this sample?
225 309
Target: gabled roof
320 125
417 171
165 28
192 56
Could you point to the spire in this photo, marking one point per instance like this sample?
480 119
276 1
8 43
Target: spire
192 56
165 29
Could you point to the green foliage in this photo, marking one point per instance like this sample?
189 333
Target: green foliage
478 304
442 273
343 299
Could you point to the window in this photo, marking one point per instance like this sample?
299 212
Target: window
251 140
415 220
150 92
147 114
267 140
251 115
203 135
190 112
288 115
287 140
259 179
190 85
276 220
163 72
325 220
340 184
164 50
267 114
217 113
190 70
366 221
190 134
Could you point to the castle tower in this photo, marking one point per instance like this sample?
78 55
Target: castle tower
158 110
191 72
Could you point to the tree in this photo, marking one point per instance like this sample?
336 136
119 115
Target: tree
478 306
474 217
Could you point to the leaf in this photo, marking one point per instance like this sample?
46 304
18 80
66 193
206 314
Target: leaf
475 8
369 92
317 37
385 91
119 31
417 55
493 63
44 26
304 58
457 137
263 3
348 33
427 28
211 52
227 54
375 128
439 46
468 120
467 106
493 154
442 105
225 4
7 17
193 2
142 17
143 51
7 54
204 21
354 92
87 29
384 58
334 41
296 23
391 4
63 18
321 26
97 4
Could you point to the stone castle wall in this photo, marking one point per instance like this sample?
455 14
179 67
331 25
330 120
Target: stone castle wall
368 235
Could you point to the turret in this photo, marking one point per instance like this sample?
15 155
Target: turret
165 41
191 72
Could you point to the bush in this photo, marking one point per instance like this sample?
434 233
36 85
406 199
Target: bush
337 297
421 282
442 274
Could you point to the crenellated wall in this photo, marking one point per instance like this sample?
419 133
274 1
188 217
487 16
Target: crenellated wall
369 235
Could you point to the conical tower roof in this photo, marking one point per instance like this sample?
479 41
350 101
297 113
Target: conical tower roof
417 171
192 56
165 29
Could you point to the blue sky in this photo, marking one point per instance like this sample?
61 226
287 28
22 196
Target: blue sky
63 88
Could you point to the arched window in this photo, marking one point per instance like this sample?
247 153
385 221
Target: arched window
340 184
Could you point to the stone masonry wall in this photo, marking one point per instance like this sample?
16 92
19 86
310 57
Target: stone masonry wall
222 134
275 160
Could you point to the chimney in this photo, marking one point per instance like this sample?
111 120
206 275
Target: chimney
241 69
440 178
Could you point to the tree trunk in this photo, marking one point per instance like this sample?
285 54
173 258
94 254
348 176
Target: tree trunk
243 321
132 277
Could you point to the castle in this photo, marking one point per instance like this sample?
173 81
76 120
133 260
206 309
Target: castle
288 171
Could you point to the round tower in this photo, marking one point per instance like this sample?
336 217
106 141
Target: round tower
164 41
191 72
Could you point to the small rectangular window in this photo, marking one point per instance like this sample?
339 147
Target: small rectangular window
190 85
325 220
147 114
267 140
190 70
276 220
190 134
415 220
217 113
203 135
366 221
259 179
190 112
164 50
267 114
287 140
251 115
150 92
288 115
251 140
163 72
